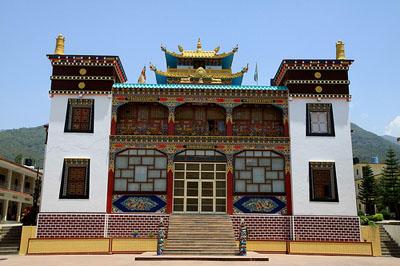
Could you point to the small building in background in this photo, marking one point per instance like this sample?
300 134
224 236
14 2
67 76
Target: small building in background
17 184
359 173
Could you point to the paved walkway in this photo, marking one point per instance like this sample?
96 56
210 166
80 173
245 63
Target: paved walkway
123 260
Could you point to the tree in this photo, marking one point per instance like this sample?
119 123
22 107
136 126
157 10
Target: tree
389 191
367 194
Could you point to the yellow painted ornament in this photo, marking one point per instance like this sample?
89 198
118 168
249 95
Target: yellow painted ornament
81 85
317 75
82 71
318 89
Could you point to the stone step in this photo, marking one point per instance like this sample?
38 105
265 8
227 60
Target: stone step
216 253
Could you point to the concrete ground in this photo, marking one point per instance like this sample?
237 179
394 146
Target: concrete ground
119 260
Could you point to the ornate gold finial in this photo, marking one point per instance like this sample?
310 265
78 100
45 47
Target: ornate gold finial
216 49
199 47
180 48
59 44
340 55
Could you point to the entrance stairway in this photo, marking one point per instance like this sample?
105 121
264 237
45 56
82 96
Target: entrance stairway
10 237
200 235
389 247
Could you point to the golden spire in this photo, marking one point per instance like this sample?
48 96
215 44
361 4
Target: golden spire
199 47
59 44
340 55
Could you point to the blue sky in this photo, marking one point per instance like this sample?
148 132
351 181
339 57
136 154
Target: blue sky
266 32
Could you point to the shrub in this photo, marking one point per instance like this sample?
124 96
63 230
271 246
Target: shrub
361 213
377 217
364 220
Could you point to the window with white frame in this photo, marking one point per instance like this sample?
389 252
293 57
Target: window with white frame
320 119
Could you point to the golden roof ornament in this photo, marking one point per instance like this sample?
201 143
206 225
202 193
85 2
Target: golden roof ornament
180 48
340 53
216 49
199 46
59 44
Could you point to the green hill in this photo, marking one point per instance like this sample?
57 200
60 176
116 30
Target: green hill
367 144
29 142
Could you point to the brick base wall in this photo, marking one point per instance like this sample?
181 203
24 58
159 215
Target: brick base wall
327 228
263 227
90 225
70 225
123 225
260 227
304 228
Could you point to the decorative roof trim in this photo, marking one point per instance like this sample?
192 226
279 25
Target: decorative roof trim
309 64
212 75
200 53
103 60
81 78
196 86
77 92
317 82
334 96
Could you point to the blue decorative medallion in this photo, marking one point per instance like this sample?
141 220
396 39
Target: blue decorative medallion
128 203
259 204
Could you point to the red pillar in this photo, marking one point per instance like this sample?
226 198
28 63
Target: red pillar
171 127
229 128
229 192
288 189
110 190
170 180
286 128
113 130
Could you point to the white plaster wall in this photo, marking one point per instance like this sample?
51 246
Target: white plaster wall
394 231
94 146
312 148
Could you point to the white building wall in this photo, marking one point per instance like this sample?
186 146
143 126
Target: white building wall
312 148
94 146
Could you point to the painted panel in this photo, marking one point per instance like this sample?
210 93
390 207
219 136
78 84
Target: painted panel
260 204
138 203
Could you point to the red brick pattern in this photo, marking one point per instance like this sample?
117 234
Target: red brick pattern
327 228
260 227
90 225
263 227
146 225
70 225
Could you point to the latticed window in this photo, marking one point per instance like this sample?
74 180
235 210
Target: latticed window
142 119
75 179
200 120
259 171
257 120
79 115
140 170
323 185
320 119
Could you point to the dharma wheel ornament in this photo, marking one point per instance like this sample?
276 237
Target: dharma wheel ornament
242 239
160 238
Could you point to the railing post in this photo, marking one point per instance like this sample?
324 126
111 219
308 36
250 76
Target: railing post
242 238
160 238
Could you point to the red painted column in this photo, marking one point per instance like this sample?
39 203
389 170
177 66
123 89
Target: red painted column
285 128
229 128
110 190
288 189
170 180
229 192
171 128
171 122
113 130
